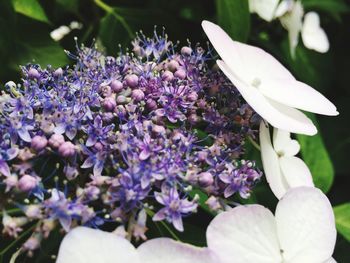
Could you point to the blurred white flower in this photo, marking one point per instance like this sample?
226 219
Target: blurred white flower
59 33
267 86
291 15
63 30
86 245
302 230
282 169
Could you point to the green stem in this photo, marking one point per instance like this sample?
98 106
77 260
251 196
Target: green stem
111 10
254 143
171 232
12 211
17 239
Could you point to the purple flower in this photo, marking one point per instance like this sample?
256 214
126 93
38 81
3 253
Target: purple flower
175 207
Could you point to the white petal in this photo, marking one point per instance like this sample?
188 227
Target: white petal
271 163
264 8
305 124
283 144
162 250
295 172
244 234
86 245
224 45
331 260
305 226
292 21
284 7
297 94
313 35
279 116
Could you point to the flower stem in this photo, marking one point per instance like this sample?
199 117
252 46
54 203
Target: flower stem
17 239
111 10
151 213
254 143
12 211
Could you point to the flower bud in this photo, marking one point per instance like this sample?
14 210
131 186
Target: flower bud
181 74
58 72
137 95
132 80
27 183
33 211
109 103
167 75
33 73
173 65
193 96
205 179
116 86
67 149
151 104
187 51
56 140
38 143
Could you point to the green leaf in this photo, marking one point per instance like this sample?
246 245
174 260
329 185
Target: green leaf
30 8
333 7
316 157
234 17
342 219
69 5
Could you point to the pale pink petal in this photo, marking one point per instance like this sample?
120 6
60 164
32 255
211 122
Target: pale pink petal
86 245
305 226
166 250
244 234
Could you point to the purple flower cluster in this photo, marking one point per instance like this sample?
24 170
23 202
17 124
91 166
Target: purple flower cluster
113 136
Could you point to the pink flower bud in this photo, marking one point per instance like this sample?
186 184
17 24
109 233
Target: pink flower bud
181 74
167 75
205 179
27 183
132 80
187 51
33 73
173 65
151 104
56 140
116 86
67 149
58 72
38 143
109 103
137 95
193 96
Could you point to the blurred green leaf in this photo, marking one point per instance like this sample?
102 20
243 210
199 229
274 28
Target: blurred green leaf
30 8
309 66
316 157
234 17
333 7
342 219
69 5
